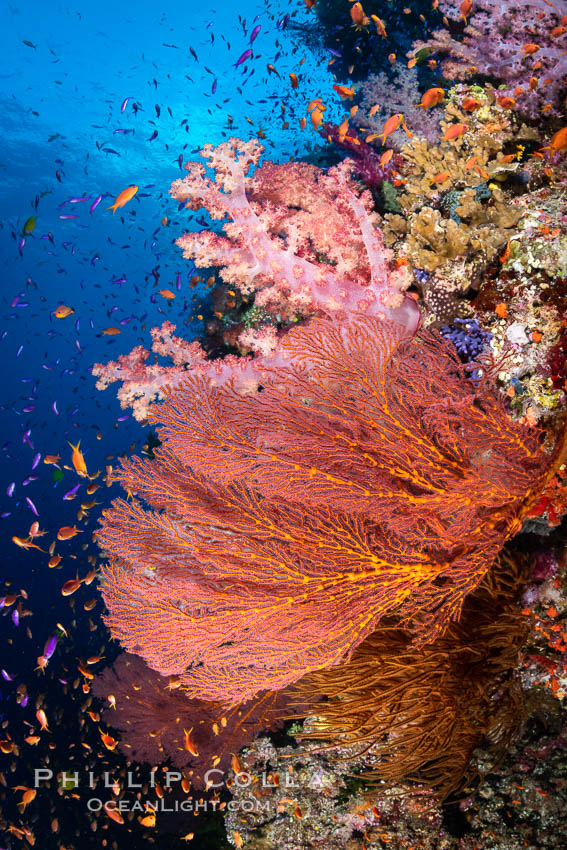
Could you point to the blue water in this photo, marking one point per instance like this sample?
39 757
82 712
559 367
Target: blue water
61 110
62 94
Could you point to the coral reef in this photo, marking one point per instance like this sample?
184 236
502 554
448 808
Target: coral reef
306 798
369 478
397 94
520 43
301 240
457 691
153 718
459 202
545 662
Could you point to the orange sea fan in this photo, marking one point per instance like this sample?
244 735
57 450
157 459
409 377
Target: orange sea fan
367 478
418 714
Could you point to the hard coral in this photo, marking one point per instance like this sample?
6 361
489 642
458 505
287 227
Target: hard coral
459 202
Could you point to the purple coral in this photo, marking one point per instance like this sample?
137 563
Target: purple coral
513 41
468 338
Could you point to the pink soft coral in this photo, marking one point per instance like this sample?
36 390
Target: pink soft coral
296 230
303 240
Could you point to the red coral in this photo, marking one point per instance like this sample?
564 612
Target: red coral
152 717
368 478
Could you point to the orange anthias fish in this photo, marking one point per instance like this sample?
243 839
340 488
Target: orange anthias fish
78 460
344 91
455 131
42 720
123 198
316 118
380 26
465 9
63 311
29 795
431 98
26 544
294 81
530 49
108 741
67 531
188 743
471 103
70 586
358 16
167 293
558 142
392 124
114 815
51 459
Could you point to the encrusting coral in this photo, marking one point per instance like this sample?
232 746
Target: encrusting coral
458 202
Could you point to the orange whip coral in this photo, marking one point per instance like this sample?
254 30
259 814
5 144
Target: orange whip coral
368 478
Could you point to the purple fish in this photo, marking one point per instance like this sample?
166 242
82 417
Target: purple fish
16 617
178 281
68 216
25 701
49 647
79 200
21 246
29 480
246 55
7 676
125 103
19 351
70 494
153 136
254 33
54 408
10 490
95 203
214 87
32 506
36 460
